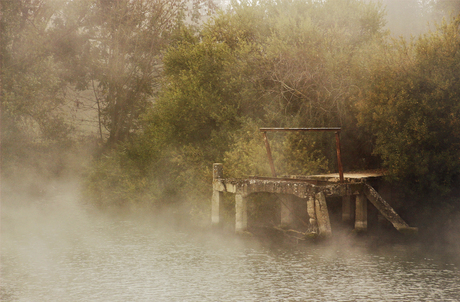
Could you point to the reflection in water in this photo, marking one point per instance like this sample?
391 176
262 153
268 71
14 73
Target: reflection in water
55 251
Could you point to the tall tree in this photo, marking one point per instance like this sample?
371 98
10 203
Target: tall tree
120 57
281 63
412 108
32 89
260 63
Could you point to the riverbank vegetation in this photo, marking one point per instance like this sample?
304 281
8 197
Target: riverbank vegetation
174 86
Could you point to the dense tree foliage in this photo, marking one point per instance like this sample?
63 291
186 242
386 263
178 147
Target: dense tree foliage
279 63
412 108
282 63
53 49
276 63
174 89
117 50
32 89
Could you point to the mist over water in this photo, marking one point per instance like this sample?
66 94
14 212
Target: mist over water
55 248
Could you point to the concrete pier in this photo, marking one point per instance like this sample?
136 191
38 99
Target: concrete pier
312 214
241 214
361 213
322 215
314 191
215 208
216 195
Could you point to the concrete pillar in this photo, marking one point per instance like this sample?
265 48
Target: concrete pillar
215 210
216 195
241 214
312 214
322 215
287 208
347 209
361 213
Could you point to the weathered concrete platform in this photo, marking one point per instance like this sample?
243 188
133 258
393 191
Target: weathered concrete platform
313 190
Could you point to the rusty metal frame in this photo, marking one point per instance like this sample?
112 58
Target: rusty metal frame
269 153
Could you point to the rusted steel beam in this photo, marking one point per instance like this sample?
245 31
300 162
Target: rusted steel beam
337 139
300 129
339 159
269 154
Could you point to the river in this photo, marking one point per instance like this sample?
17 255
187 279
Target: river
55 249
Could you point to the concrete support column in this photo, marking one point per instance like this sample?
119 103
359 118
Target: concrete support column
361 213
241 214
322 215
311 213
215 210
216 195
287 208
347 209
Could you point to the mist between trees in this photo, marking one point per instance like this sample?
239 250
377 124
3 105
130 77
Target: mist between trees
139 98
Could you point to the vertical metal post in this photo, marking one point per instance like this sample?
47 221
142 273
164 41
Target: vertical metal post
269 154
339 159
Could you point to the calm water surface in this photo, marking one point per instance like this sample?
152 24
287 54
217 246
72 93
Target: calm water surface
53 250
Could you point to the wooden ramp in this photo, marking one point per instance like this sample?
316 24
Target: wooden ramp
314 190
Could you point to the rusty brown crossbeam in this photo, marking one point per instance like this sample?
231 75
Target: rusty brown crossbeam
300 129
337 142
